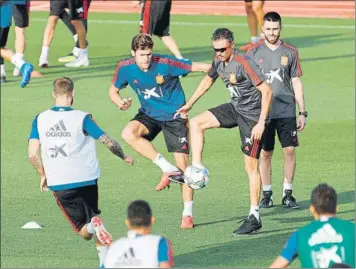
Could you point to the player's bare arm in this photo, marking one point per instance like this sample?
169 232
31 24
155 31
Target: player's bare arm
115 148
200 67
203 87
121 103
36 161
165 265
266 92
299 98
280 262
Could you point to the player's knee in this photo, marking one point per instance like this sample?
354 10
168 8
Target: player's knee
257 9
128 135
266 155
251 165
195 123
289 152
52 21
248 8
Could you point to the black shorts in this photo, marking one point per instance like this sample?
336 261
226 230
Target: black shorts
156 17
78 205
21 15
78 9
175 132
4 34
250 1
228 117
286 130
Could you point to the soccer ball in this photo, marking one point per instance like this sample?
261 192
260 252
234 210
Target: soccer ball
196 177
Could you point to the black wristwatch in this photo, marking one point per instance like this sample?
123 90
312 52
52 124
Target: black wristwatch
305 113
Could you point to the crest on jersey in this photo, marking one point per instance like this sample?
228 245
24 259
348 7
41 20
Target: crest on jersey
232 78
159 79
284 60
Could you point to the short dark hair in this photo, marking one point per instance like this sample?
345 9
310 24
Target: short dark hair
324 199
139 213
141 42
63 85
272 16
223 33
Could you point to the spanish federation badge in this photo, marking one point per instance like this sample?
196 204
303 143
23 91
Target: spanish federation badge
284 60
159 79
232 78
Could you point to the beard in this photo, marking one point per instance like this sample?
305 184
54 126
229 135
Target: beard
276 38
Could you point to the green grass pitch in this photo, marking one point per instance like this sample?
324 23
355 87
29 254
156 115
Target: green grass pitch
326 153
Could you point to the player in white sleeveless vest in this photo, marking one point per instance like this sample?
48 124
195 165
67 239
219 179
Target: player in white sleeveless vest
140 249
62 150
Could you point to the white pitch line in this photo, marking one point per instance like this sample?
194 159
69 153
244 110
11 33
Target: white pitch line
307 26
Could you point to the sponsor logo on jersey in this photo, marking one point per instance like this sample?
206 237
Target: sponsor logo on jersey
58 130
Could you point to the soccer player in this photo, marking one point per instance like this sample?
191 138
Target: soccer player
254 12
281 67
78 12
26 69
140 249
324 242
21 18
155 20
248 109
155 79
65 17
62 150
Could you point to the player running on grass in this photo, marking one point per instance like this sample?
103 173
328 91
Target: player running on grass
6 8
62 150
155 79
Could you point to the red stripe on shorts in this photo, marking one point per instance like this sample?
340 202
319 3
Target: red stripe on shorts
65 213
86 9
146 16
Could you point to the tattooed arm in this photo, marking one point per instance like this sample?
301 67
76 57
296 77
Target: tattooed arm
34 156
115 148
36 161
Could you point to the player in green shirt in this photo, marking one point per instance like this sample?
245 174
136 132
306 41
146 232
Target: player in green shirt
323 242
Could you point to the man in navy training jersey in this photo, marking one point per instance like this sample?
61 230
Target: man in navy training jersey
155 79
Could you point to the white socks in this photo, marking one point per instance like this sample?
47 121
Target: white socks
75 37
254 210
17 60
75 51
165 166
287 186
188 209
44 52
267 187
82 53
3 72
102 253
199 165
90 228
